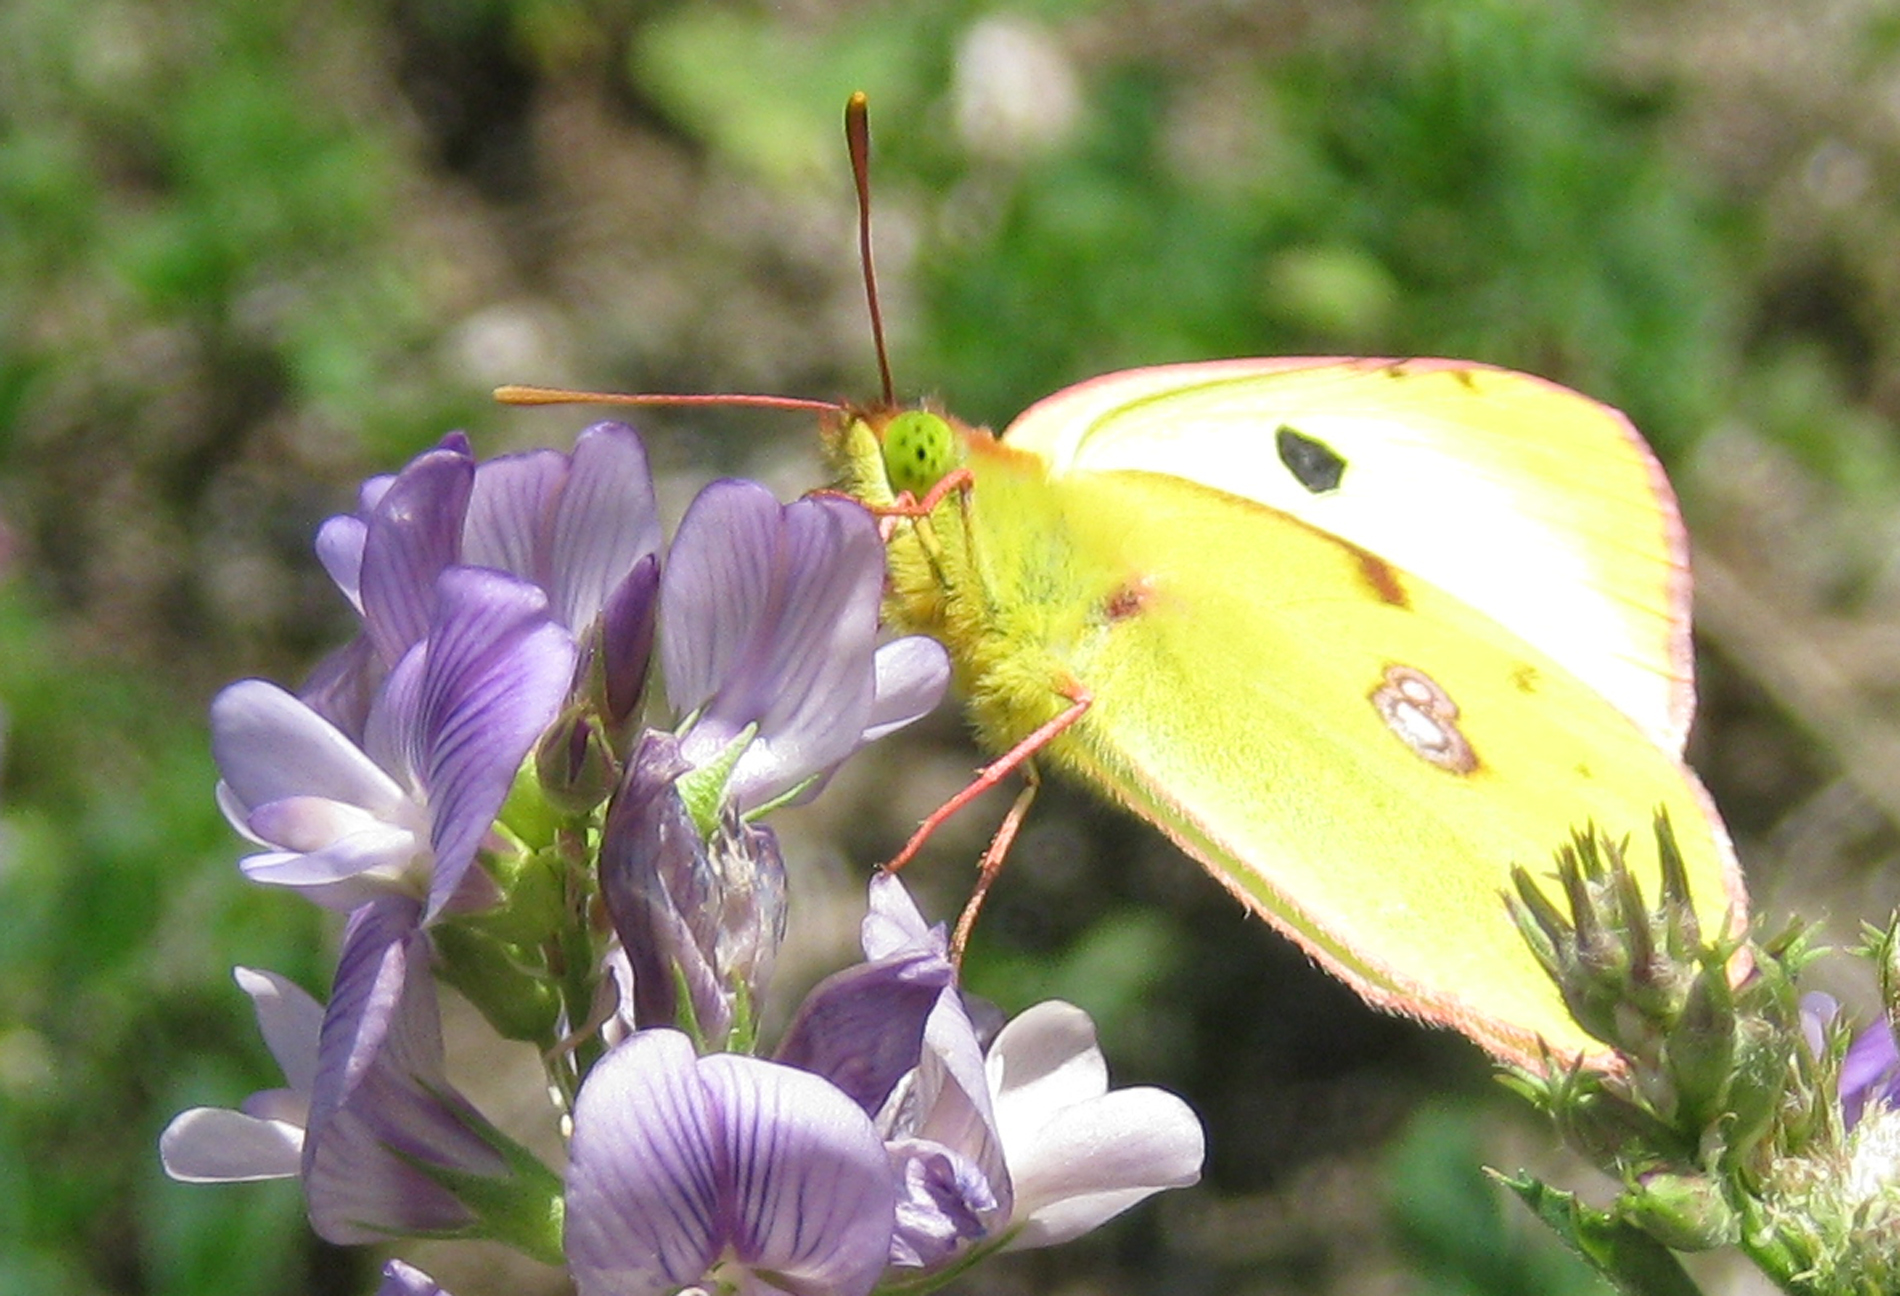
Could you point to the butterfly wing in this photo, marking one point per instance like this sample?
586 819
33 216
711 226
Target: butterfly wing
1359 756
1541 508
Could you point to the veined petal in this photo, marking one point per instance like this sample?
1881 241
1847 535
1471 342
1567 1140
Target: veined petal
380 1101
716 591
817 675
606 522
678 1162
497 673
218 1145
812 1202
862 1028
414 532
644 1176
269 745
511 513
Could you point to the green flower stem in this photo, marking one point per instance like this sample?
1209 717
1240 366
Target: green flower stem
575 963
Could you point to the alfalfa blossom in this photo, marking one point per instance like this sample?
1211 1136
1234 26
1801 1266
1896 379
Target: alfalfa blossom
405 812
878 1140
1023 1144
768 641
482 781
688 1171
368 1118
576 526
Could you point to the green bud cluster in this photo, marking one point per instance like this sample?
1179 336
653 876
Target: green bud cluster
1707 1088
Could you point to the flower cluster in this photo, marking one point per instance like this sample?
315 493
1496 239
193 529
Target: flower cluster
483 781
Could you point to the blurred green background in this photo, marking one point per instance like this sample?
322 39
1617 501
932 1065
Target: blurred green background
252 250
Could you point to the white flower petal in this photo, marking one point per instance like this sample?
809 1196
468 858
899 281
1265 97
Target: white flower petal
1044 1060
218 1145
290 1021
1098 1158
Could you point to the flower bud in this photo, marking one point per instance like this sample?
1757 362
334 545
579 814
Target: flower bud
703 915
1700 1051
1687 1212
575 763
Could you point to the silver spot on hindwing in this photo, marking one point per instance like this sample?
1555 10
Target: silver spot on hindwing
1424 718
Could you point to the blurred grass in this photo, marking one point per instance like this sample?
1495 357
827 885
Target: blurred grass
253 251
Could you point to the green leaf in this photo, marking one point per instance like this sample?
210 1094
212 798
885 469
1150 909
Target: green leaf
1636 1263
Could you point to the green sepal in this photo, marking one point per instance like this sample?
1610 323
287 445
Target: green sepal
702 789
528 815
1634 1262
524 1208
1700 1049
1685 1212
533 896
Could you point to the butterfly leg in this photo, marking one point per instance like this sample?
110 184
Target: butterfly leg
995 772
991 864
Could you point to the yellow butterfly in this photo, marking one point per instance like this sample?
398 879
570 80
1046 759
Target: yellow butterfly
1359 635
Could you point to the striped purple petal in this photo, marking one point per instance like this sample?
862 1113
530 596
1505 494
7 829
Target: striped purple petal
607 522
381 1102
414 532
769 618
678 1161
497 672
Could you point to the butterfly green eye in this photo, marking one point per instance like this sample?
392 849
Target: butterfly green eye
919 448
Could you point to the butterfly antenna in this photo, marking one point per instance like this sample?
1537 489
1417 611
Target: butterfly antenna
857 135
518 394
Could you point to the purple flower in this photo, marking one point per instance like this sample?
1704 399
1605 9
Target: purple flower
863 1027
705 915
369 1119
1023 1146
1870 1070
768 640
405 812
575 526
686 1171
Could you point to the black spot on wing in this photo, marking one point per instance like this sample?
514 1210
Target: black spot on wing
1314 464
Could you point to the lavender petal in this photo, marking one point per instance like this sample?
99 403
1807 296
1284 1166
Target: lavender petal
414 532
606 522
813 1202
644 1177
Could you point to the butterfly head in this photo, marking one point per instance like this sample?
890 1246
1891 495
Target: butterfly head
887 453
